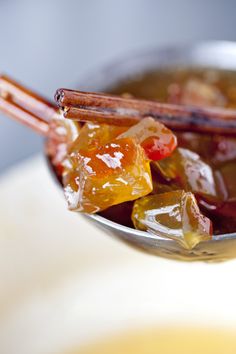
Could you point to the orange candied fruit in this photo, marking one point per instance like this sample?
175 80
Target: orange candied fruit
106 175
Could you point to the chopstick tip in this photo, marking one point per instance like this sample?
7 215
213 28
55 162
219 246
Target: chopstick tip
59 95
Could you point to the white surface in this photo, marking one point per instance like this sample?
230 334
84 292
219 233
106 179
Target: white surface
63 282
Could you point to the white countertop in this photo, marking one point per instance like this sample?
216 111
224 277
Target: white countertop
62 281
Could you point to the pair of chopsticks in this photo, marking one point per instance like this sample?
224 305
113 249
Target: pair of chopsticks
103 108
25 106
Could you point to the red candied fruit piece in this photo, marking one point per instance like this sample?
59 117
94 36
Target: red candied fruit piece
156 139
156 150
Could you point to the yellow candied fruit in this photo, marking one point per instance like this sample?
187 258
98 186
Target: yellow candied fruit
173 215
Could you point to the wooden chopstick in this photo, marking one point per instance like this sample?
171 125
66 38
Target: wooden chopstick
26 98
23 116
103 108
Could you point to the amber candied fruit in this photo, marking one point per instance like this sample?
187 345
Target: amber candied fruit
190 172
106 175
94 135
196 92
199 93
173 215
157 140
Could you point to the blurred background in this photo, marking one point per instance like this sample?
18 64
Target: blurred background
48 44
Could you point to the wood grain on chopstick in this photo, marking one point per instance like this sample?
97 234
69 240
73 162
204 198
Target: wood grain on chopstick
26 98
23 116
103 108
25 106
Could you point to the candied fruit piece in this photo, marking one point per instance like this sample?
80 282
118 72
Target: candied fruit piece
190 172
217 149
159 188
198 143
228 173
224 149
157 140
174 215
160 185
62 133
106 175
93 135
223 224
174 93
196 92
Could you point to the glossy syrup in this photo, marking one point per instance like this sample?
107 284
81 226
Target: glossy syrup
207 87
